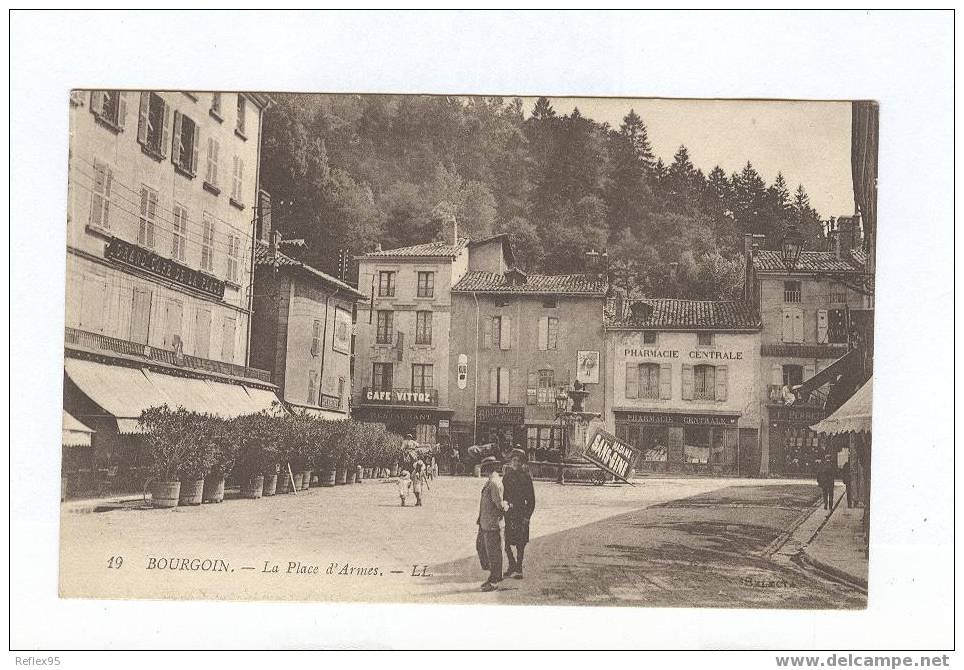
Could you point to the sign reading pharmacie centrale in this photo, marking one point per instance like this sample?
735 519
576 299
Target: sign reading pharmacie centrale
678 418
138 257
693 354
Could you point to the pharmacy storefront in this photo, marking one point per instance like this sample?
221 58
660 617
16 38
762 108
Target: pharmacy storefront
685 399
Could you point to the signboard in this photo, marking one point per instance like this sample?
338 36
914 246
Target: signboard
396 416
501 414
462 375
678 418
397 397
135 256
341 338
329 401
610 453
587 367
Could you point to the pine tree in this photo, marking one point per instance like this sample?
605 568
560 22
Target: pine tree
635 131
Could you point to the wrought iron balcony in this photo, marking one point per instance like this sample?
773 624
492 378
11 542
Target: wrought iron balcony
400 397
98 342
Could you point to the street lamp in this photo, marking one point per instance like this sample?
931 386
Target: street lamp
791 246
562 406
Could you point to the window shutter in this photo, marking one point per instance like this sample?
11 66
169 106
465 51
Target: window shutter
632 380
165 133
797 325
687 382
141 316
787 325
821 326
241 184
504 385
400 346
809 370
532 387
544 333
505 336
202 333
721 379
108 182
513 383
553 332
97 103
196 145
143 117
493 385
665 381
486 332
121 109
776 374
177 146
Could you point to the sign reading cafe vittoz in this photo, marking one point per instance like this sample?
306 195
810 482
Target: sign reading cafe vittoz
133 255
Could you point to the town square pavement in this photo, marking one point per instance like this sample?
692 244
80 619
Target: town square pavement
663 542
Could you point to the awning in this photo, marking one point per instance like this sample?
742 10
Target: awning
126 392
76 434
828 374
321 413
854 416
260 399
122 391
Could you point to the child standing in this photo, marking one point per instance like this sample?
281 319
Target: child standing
404 484
419 480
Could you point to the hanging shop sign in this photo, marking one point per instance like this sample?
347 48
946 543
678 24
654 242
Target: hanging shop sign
462 377
610 453
138 257
501 414
587 367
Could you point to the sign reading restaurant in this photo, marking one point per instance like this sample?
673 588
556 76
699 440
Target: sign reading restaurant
138 257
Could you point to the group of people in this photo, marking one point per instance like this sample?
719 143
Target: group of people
827 475
416 472
506 502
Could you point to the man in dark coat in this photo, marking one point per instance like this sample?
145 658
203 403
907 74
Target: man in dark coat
826 477
521 498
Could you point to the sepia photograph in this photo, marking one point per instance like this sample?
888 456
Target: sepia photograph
435 330
469 349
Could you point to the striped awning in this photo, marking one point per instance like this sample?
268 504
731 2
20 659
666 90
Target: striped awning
854 416
75 433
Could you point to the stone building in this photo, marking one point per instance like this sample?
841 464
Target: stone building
162 189
682 384
807 314
515 340
403 343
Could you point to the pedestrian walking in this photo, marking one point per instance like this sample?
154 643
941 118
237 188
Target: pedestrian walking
826 477
492 506
845 477
520 496
404 486
419 481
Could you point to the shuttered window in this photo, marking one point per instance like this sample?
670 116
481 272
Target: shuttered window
704 382
179 233
100 196
93 304
237 180
499 385
548 333
154 121
821 326
141 315
234 258
213 160
242 113
187 139
383 328
792 324
202 333
423 327
228 335
382 376
148 217
502 330
648 381
207 242
110 108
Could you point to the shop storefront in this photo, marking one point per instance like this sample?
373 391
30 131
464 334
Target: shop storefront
429 426
795 448
502 425
682 442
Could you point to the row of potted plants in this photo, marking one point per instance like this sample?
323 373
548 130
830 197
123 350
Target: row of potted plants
192 455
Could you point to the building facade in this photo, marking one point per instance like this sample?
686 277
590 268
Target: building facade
516 339
402 346
162 191
682 384
806 316
302 330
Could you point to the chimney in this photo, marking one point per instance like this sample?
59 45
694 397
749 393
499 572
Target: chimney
263 232
848 233
747 243
275 241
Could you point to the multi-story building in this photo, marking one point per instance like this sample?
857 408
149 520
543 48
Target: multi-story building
302 328
682 384
402 346
162 192
807 313
516 340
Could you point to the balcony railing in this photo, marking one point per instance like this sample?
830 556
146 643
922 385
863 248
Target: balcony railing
100 342
400 397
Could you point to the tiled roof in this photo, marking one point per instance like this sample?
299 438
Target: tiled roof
518 282
673 314
429 249
810 261
264 257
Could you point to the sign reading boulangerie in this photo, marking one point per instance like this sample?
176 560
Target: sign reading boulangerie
610 453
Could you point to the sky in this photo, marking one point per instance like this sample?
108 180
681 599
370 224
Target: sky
808 141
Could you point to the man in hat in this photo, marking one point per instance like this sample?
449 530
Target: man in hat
520 496
488 543
410 447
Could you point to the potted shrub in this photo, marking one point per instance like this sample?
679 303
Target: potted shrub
168 440
222 436
197 460
257 461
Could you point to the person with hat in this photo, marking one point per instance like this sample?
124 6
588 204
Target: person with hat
492 507
520 496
